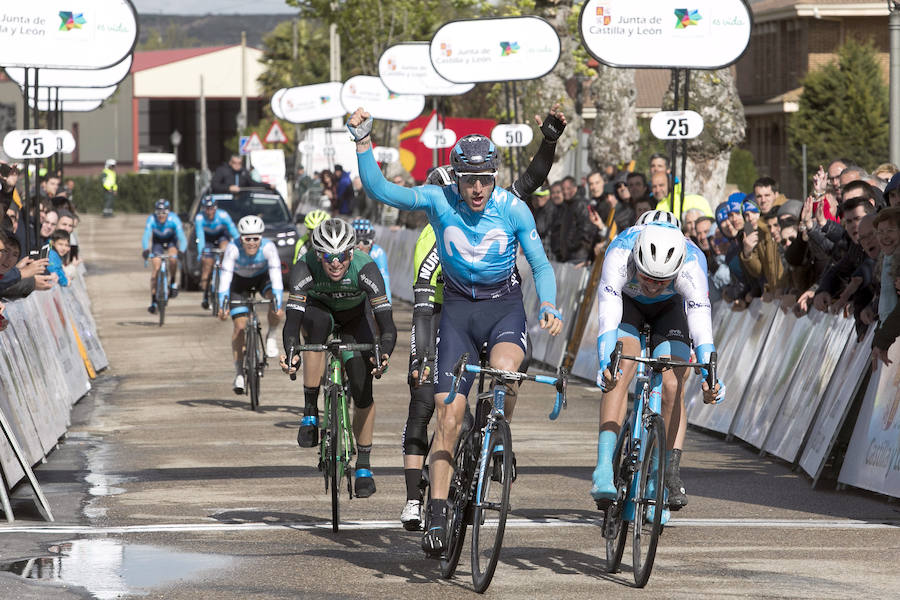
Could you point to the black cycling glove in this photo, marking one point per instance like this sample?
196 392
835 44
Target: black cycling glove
552 127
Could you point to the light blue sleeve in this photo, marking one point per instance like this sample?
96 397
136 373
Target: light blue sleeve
179 231
148 233
198 231
380 189
380 258
232 229
526 232
55 265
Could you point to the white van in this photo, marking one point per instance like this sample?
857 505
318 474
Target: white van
155 161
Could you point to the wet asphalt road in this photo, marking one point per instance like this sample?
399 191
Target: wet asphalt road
169 486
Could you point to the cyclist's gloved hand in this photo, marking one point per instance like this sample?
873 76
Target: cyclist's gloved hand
361 131
703 353
552 127
549 310
145 254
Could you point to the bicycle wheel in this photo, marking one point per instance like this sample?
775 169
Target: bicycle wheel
458 500
334 455
161 295
214 291
651 487
615 530
491 506
251 360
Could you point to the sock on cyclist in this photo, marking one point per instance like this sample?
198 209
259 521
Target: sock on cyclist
602 479
413 477
437 511
364 453
673 463
311 399
239 367
606 445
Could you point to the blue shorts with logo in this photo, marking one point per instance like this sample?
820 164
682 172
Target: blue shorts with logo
161 246
467 325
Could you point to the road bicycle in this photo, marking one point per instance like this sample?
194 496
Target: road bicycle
484 470
639 465
336 445
214 279
255 360
162 285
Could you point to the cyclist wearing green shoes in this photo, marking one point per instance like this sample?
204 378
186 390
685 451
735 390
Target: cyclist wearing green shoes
328 285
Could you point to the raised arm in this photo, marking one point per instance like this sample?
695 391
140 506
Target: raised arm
551 127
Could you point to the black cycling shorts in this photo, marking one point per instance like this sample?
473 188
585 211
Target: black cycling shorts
244 287
669 334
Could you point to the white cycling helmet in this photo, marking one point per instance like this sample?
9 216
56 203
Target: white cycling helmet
333 236
659 251
658 216
251 225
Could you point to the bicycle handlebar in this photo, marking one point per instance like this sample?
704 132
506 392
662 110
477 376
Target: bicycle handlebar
560 382
663 364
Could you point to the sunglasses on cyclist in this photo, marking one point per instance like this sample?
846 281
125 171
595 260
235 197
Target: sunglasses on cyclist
643 277
366 242
470 179
253 239
330 257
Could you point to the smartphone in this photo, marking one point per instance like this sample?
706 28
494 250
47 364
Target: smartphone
45 251
748 227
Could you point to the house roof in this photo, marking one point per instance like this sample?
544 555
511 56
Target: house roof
157 58
769 10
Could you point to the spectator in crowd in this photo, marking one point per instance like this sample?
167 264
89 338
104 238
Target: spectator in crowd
49 187
892 191
887 231
18 278
343 191
659 163
835 168
302 182
542 211
67 222
329 189
69 192
9 195
659 185
110 186
885 172
572 230
765 192
886 333
642 205
59 249
231 176
638 190
49 222
13 224
689 221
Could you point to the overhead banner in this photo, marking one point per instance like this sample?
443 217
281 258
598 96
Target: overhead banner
369 92
76 78
62 34
276 103
407 69
508 49
671 34
310 103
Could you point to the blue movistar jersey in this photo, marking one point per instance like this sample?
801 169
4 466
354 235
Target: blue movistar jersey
165 232
236 261
212 231
378 255
619 277
477 249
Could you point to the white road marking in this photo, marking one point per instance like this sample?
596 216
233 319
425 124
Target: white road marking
381 525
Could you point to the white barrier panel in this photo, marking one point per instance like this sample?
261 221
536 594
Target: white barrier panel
771 378
833 409
722 318
872 461
830 334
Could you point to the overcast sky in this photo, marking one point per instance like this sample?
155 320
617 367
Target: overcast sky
202 7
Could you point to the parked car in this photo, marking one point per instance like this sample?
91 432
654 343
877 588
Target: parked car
265 203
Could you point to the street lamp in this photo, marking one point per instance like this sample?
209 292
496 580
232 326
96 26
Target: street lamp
175 138
894 29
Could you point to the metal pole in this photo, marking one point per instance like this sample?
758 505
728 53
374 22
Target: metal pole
512 166
36 202
437 125
805 173
203 156
518 149
687 93
335 57
26 200
894 28
243 79
62 162
676 75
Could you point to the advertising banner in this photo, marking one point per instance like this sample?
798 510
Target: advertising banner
275 103
704 34
773 376
310 103
65 141
370 93
832 411
506 49
872 461
815 370
406 69
90 78
60 34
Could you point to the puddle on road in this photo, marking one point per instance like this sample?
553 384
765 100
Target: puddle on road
107 568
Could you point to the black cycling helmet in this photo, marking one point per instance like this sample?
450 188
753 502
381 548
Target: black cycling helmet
475 154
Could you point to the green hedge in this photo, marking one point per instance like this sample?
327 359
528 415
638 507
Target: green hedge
137 191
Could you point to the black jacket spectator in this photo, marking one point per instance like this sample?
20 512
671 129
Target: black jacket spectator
226 176
572 231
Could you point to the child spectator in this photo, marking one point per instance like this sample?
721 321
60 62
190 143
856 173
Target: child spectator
887 229
59 248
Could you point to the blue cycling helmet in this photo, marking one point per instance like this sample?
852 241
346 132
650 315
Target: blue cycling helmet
475 154
208 202
161 204
363 229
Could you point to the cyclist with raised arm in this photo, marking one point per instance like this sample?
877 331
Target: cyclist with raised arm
479 227
312 220
365 242
250 265
428 298
163 236
329 285
651 275
214 229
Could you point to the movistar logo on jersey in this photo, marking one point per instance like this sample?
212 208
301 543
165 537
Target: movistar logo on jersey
455 238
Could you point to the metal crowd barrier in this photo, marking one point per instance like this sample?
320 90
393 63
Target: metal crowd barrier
48 354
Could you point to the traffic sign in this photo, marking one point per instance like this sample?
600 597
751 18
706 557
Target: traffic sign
65 141
438 138
30 143
676 125
242 144
251 144
276 134
512 135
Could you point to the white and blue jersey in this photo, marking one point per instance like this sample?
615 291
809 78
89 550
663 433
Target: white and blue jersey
619 277
162 235
237 263
378 255
477 249
211 232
